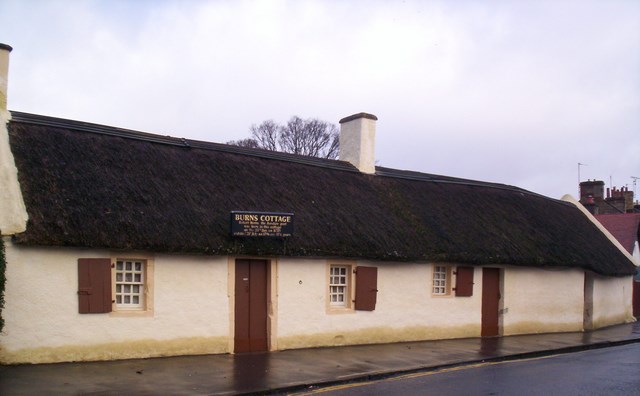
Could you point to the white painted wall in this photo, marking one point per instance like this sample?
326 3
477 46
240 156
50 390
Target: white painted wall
193 309
612 301
42 322
405 309
540 301
13 214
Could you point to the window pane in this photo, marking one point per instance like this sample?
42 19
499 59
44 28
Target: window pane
130 284
439 280
338 291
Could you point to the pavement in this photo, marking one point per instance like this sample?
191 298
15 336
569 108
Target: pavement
294 370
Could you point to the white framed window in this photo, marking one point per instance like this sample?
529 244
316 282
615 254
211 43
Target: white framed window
130 284
339 293
441 280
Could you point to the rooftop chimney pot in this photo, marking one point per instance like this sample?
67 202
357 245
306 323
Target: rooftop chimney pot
357 141
4 75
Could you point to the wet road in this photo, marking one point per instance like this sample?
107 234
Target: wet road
608 371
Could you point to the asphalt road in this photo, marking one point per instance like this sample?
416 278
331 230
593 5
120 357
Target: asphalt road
608 371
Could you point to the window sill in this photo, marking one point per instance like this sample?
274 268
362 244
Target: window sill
340 310
132 314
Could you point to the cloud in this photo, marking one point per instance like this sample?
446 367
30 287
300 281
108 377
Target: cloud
514 92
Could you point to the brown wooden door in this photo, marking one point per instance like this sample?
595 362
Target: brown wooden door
490 301
250 306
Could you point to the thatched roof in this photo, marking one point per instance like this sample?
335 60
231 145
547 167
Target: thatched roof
101 187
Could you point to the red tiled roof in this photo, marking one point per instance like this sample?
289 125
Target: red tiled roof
624 227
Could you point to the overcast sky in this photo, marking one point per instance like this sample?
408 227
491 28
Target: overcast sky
515 92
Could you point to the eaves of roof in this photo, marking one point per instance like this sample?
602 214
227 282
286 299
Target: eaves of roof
116 188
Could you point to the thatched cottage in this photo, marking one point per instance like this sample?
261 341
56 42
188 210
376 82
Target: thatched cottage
122 244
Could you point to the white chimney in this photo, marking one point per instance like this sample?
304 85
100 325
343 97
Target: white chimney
4 75
13 214
358 140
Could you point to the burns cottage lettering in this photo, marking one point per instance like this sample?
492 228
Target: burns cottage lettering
261 224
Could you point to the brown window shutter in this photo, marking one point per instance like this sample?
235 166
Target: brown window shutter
94 285
366 288
464 281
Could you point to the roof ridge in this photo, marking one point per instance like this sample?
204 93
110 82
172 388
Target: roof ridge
17 116
420 176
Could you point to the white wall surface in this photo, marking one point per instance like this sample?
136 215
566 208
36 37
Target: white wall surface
612 301
540 301
13 214
193 300
405 309
42 322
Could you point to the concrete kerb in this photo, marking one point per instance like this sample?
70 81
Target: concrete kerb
376 376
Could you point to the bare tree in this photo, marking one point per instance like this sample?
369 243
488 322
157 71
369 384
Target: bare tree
249 142
266 135
310 137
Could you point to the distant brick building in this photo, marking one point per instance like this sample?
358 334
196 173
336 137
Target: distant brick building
616 201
